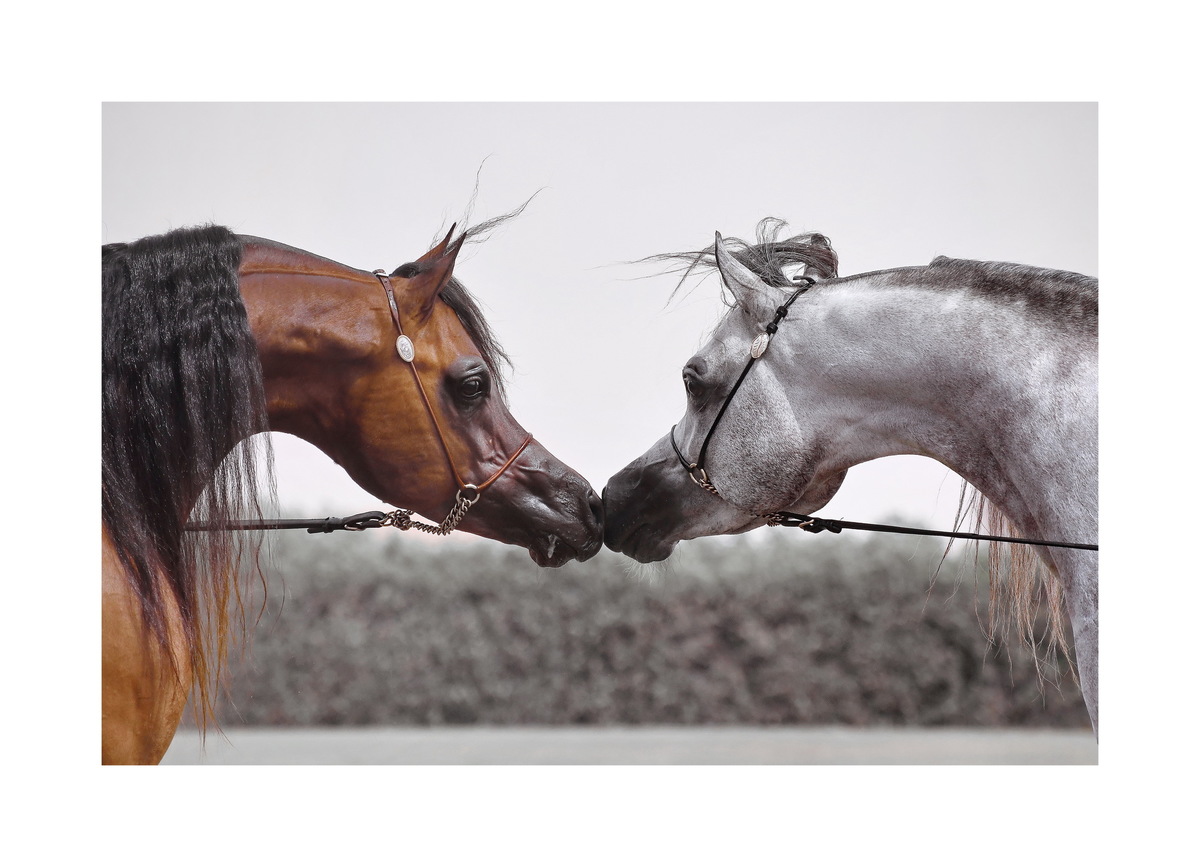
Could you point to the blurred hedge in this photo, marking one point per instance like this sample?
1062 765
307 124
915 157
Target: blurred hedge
775 628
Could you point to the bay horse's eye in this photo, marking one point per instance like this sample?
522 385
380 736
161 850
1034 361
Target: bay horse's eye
473 388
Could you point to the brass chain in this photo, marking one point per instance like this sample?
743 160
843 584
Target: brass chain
402 519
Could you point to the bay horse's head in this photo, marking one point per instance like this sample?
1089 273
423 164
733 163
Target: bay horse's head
732 457
395 376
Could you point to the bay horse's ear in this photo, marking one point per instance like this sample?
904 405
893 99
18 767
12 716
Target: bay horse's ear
423 288
752 294
440 249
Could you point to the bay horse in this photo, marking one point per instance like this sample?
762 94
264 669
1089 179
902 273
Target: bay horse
989 368
211 337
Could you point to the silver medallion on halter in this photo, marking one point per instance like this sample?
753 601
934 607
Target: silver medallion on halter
404 346
759 346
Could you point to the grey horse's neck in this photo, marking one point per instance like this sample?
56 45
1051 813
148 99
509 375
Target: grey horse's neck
996 392
1001 389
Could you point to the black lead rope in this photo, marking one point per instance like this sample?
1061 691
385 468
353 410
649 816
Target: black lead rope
361 521
817 525
401 519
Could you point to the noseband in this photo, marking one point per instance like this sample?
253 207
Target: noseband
467 494
696 470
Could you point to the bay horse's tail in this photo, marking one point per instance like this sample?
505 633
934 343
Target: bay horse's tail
1020 585
182 393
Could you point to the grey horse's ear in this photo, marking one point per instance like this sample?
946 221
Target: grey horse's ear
752 293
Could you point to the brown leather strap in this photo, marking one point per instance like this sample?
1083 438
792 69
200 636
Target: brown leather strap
508 463
391 297
462 486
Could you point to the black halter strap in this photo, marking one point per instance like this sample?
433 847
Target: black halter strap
696 470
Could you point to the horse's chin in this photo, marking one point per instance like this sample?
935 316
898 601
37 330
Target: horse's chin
656 555
643 547
553 552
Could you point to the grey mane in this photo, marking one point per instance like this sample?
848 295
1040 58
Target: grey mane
1060 295
772 260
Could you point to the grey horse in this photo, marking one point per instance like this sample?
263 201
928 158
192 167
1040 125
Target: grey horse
989 368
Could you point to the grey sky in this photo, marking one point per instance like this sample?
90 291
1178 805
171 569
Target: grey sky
598 350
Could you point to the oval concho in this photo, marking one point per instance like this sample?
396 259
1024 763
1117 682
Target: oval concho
404 346
759 346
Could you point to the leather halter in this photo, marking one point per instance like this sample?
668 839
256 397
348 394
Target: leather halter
467 494
696 470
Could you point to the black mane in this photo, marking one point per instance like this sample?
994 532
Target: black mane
182 391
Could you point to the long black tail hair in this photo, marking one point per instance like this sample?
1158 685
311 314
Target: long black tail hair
182 395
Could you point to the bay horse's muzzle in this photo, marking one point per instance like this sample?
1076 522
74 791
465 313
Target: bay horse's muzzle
543 505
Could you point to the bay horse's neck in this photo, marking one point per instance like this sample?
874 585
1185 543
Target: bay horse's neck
306 313
994 391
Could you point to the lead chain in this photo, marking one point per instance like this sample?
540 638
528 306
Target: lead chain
402 519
